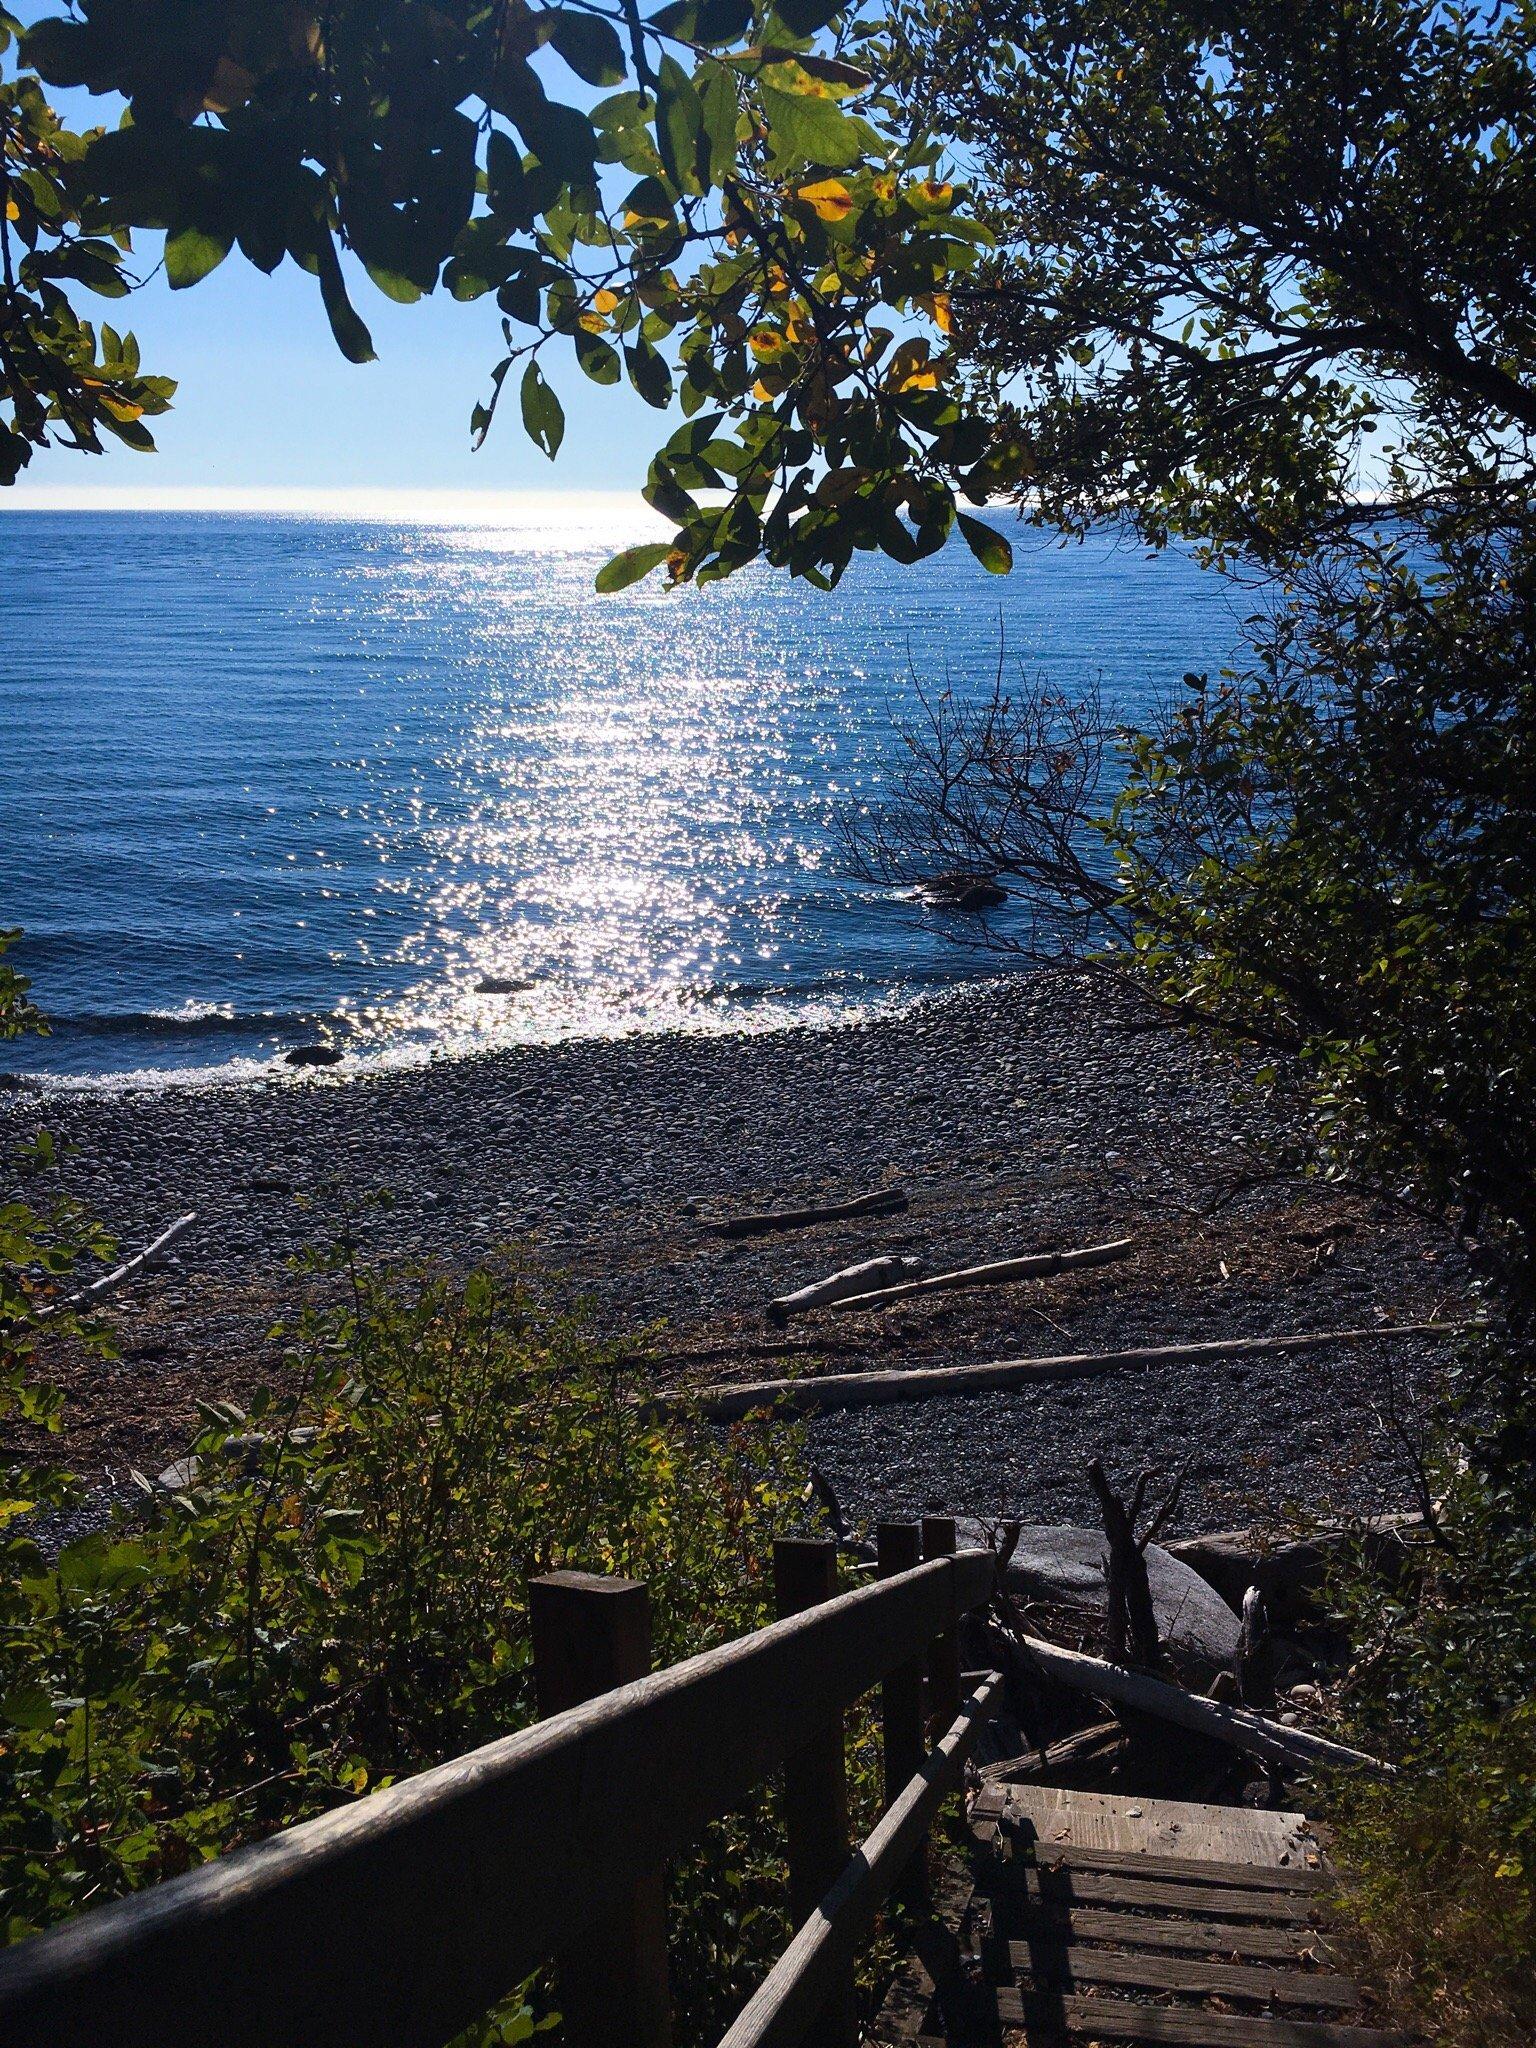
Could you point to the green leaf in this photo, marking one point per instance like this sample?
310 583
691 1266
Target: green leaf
543 415
632 565
352 337
809 130
805 17
712 22
590 46
506 182
649 374
808 17
717 99
680 126
28 1706
988 546
597 357
564 141
191 252
394 284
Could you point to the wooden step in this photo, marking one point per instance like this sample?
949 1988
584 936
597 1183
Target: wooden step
1253 1838
1202 1937
1171 1869
1047 2016
1064 1888
1047 1961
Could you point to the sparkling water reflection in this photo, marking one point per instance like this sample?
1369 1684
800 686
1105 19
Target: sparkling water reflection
265 779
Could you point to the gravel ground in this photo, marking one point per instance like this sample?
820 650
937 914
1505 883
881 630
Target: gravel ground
1019 1114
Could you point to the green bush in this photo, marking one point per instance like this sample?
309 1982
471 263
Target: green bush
1441 1861
337 1597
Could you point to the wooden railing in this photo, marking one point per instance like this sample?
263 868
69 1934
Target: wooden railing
398 1921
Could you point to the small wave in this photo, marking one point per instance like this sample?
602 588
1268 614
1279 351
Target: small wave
186 1020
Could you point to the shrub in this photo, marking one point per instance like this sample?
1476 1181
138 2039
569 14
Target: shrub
336 1596
1441 1861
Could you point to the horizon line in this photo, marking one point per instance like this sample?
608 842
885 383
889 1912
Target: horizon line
471 504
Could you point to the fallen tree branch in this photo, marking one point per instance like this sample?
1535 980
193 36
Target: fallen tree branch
120 1275
882 1202
851 1280
723 1402
1036 1266
1239 1728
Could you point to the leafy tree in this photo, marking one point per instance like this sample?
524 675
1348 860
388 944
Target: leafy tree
718 202
1263 281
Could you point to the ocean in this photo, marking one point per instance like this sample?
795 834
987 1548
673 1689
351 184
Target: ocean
266 781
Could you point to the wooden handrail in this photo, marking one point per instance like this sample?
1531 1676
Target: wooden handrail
778 2013
398 1921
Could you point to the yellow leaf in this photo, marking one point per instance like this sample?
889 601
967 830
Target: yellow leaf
920 380
761 392
593 323
765 344
885 185
830 199
606 301
936 306
932 193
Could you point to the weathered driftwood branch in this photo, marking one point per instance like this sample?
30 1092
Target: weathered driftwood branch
120 1275
1236 1726
1254 1665
1035 1266
882 1202
1130 1622
851 1280
724 1402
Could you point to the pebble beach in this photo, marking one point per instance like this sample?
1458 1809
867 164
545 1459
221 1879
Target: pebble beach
1019 1114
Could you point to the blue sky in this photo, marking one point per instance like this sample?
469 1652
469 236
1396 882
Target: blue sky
266 402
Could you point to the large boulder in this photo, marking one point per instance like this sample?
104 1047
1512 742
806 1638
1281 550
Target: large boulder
1066 1565
1290 1575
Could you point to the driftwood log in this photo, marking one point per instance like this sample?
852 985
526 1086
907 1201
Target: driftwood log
120 1275
727 1402
1034 1266
1236 1726
851 1280
882 1202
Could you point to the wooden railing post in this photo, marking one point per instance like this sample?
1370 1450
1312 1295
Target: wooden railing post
816 1785
944 1657
591 1634
898 1548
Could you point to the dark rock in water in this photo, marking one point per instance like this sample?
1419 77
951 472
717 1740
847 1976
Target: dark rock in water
269 1184
1067 1565
960 891
313 1056
495 985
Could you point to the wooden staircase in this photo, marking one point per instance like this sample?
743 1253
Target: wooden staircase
1099 1918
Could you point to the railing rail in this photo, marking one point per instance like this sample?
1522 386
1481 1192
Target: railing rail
397 1922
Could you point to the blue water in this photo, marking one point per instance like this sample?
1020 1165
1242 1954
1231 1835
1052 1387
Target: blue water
265 780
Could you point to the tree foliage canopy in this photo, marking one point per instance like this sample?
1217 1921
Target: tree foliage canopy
1264 278
717 201
1256 263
